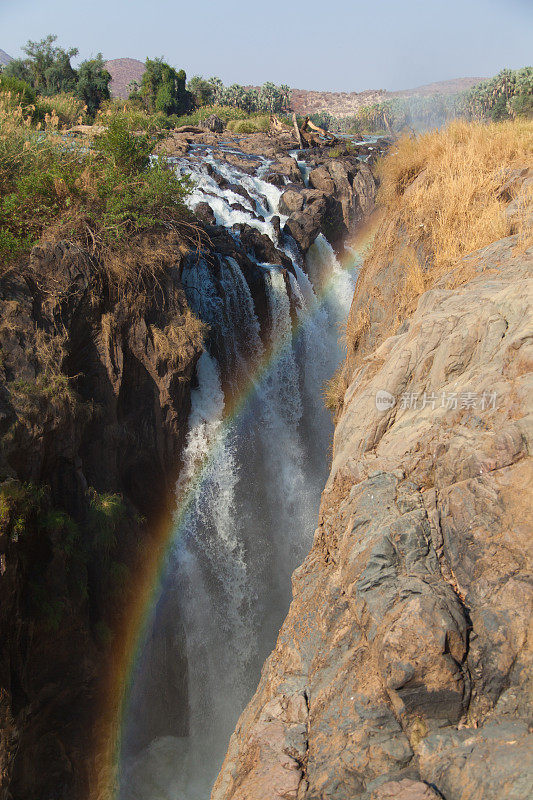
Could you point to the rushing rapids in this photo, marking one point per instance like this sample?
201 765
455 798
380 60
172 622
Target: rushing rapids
226 587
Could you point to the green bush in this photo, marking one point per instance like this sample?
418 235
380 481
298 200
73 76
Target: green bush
21 92
32 170
127 152
130 207
100 197
256 124
137 118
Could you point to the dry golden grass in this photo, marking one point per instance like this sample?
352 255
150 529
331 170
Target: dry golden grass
444 186
66 108
444 194
333 390
356 325
179 337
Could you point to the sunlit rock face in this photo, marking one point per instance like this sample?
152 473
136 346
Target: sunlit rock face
403 663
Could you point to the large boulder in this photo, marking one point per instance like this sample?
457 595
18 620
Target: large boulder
205 214
213 124
291 201
304 226
261 246
351 182
319 178
323 215
284 171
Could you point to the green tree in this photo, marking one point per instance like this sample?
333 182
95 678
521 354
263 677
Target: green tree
49 66
93 83
202 90
60 75
218 90
163 88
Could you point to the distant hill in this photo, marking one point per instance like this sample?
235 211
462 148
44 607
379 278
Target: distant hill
123 71
453 86
344 104
4 58
338 104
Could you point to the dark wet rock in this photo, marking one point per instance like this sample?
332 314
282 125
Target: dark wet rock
276 179
236 188
351 183
304 226
205 213
93 398
239 207
262 247
323 215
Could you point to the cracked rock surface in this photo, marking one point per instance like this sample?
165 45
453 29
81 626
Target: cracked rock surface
403 667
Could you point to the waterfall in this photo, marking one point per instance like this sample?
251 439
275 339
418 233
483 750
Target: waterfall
251 515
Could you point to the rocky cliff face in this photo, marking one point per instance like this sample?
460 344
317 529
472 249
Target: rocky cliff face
402 669
93 412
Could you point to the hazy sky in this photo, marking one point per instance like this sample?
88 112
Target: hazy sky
340 44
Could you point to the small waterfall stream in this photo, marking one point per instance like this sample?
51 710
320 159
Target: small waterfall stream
252 516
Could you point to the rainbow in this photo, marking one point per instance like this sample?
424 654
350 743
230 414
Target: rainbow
136 617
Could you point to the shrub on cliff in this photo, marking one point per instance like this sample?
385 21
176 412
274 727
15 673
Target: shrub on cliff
100 198
60 558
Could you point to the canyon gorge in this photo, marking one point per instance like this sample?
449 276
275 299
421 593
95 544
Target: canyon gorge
340 610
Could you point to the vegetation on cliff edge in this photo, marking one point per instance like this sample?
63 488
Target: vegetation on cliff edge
443 195
107 198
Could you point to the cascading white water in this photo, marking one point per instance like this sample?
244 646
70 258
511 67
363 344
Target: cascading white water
251 516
